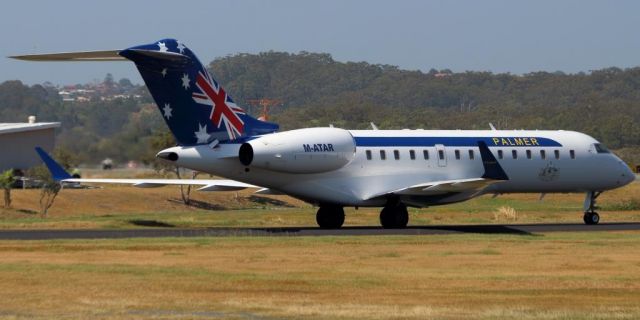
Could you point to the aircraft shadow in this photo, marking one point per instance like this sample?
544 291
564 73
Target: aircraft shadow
364 230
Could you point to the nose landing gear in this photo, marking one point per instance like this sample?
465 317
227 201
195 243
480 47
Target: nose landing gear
590 214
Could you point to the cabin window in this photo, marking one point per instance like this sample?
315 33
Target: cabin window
383 155
514 154
368 152
425 154
543 154
471 156
396 154
441 154
500 155
556 153
572 154
528 154
457 152
412 154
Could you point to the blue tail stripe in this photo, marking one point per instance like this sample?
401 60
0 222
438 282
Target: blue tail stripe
57 172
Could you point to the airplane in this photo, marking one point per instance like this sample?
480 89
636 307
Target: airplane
335 168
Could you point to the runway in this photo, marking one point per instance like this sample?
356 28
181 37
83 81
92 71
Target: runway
517 229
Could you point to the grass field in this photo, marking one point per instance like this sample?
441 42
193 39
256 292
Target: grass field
548 276
461 276
129 207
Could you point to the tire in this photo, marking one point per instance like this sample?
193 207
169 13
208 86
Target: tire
330 217
591 218
396 217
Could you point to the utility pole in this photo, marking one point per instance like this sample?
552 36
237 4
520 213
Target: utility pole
266 105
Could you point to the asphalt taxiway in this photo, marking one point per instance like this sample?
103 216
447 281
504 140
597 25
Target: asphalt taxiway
517 229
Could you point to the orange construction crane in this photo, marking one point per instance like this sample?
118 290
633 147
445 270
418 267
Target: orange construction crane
266 104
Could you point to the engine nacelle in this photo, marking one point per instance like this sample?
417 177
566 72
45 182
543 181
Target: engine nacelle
311 150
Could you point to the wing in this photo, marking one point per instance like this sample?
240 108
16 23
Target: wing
473 185
440 187
59 174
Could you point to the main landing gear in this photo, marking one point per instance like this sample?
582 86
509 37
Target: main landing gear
394 216
590 214
330 217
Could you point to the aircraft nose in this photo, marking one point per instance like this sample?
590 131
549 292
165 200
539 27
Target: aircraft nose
626 175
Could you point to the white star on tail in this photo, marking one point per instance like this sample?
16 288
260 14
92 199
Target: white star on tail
162 47
167 111
201 134
185 81
181 47
164 72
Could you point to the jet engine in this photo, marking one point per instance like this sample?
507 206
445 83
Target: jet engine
311 150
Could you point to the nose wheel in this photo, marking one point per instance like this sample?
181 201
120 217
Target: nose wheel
591 217
590 214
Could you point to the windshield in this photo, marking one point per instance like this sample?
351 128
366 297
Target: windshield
600 148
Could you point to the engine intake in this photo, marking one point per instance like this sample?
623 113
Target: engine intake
311 150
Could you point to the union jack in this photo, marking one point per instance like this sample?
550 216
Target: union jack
223 109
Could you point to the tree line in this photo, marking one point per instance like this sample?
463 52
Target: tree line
316 90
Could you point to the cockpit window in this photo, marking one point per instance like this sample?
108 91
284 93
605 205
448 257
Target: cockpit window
601 148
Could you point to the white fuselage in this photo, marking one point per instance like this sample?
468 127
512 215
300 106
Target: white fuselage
386 160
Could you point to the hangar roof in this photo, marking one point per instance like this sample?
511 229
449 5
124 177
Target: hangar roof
19 127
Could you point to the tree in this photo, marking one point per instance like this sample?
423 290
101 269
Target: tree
49 189
108 80
6 182
65 158
48 193
186 195
125 83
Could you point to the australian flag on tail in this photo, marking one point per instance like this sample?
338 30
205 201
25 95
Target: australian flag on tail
194 105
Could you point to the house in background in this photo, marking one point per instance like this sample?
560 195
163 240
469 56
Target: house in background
18 142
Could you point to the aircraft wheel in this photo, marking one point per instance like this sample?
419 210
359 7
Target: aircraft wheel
330 217
394 217
591 218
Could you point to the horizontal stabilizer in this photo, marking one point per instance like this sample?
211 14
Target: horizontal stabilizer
107 55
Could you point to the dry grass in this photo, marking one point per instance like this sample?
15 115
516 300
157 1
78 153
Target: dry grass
116 206
553 276
505 213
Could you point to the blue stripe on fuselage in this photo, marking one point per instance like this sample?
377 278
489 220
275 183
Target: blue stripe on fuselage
455 141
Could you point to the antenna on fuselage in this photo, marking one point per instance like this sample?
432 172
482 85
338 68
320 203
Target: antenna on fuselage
373 126
492 127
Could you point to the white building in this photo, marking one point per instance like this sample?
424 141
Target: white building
18 142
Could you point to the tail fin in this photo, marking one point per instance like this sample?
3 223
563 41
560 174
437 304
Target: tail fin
194 105
57 172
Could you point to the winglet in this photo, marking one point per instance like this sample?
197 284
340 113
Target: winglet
492 169
57 172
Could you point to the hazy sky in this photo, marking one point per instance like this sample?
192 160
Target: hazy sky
499 36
